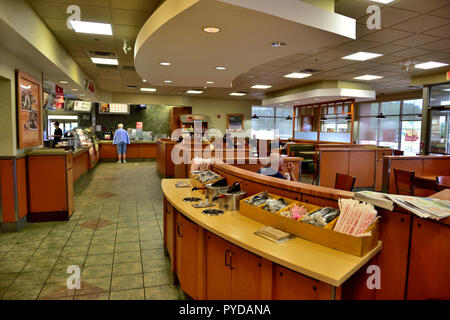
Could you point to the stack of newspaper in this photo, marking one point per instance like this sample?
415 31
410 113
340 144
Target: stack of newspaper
422 207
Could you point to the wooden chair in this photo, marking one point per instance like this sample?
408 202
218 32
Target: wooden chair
443 180
344 182
316 169
404 182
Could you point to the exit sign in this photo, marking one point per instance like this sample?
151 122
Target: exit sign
448 75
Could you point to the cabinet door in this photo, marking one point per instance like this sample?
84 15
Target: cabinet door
290 285
169 230
245 275
218 272
429 275
186 255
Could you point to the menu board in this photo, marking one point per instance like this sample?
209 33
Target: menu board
114 108
82 106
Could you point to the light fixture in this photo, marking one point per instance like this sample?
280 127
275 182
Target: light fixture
221 68
165 63
194 91
419 116
74 89
64 82
211 29
148 89
209 82
112 62
238 94
298 75
349 117
323 118
445 89
367 77
91 27
316 99
430 65
362 56
255 116
278 44
261 86
381 116
168 81
383 1
143 80
288 117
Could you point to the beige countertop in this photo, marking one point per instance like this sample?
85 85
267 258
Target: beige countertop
313 260
131 141
48 152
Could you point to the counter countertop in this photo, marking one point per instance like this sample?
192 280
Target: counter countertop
313 260
55 152
131 141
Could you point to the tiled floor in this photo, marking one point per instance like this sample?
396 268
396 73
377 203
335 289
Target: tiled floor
114 236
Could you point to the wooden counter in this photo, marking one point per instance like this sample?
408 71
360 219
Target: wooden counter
135 150
307 258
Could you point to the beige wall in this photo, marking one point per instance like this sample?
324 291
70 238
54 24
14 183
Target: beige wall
205 106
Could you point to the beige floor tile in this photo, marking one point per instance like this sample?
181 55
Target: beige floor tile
134 294
121 269
158 278
100 271
23 292
122 257
99 259
120 283
165 292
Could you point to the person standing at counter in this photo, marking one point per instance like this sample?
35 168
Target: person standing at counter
57 134
268 170
121 139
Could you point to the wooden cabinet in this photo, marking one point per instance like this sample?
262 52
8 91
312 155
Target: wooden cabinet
174 119
169 230
187 255
429 275
234 273
290 285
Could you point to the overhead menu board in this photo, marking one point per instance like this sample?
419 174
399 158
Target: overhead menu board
114 108
82 106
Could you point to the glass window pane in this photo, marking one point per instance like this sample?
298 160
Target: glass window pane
283 112
412 106
390 108
284 128
263 111
411 137
368 128
368 109
440 132
389 130
440 95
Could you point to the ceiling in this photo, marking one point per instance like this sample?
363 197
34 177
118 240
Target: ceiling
412 31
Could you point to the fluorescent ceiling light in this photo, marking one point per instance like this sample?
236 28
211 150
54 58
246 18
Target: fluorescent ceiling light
165 63
383 1
148 89
168 81
92 27
221 68
112 62
211 29
74 89
367 77
238 94
430 65
261 86
64 82
298 75
143 80
209 82
194 91
58 117
362 56
445 89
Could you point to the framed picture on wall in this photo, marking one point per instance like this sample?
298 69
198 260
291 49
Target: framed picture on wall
29 107
235 121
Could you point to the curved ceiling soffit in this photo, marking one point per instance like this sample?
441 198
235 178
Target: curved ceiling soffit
174 34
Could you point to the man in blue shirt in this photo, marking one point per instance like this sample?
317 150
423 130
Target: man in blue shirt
275 160
121 139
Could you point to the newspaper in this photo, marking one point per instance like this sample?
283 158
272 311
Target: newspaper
423 207
376 198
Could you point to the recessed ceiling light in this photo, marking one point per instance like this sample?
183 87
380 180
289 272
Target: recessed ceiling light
445 89
368 77
193 91
238 94
74 89
144 80
148 89
165 63
316 99
168 81
209 82
383 1
221 68
112 62
64 82
261 86
278 44
362 56
298 75
211 29
91 27
430 65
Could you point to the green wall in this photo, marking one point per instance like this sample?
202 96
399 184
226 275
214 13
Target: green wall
155 119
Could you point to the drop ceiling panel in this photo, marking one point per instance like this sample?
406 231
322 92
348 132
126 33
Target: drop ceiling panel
416 40
423 6
129 17
411 53
442 31
388 49
47 10
387 35
140 5
438 45
442 12
391 16
97 3
421 23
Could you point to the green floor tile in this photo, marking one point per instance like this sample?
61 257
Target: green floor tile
99 259
121 269
120 283
122 257
158 278
134 294
100 271
127 246
165 292
153 254
156 265
23 292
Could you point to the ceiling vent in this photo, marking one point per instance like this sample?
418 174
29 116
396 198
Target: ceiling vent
107 66
309 71
132 87
128 68
101 54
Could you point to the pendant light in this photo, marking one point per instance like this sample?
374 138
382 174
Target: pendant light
381 116
419 116
255 116
322 118
288 117
349 117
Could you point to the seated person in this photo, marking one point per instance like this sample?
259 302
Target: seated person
269 171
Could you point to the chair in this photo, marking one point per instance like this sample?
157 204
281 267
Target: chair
316 168
344 182
443 180
404 182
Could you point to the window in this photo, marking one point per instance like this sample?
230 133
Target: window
400 129
272 120
440 95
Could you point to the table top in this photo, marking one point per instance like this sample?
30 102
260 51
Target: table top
442 195
428 178
313 260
